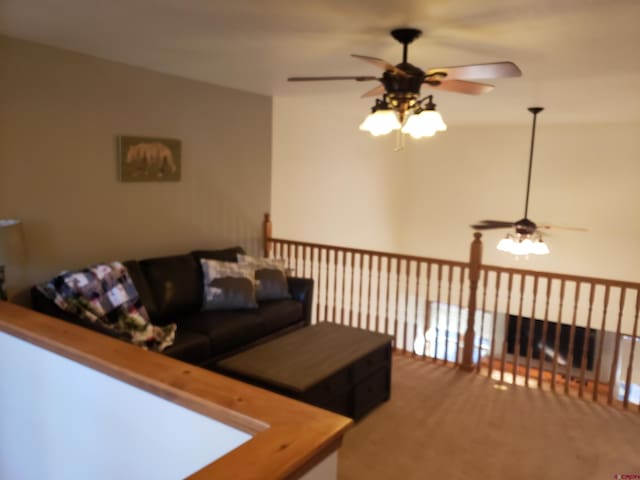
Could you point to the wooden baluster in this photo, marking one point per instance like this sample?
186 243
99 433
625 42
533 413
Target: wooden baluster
460 336
532 321
369 288
427 308
572 336
378 291
438 302
446 342
415 307
585 343
287 260
353 274
396 309
495 322
616 349
596 380
386 305
315 274
294 262
334 313
360 287
556 342
306 262
344 288
503 360
545 331
326 284
485 276
516 348
475 261
266 235
634 336
405 323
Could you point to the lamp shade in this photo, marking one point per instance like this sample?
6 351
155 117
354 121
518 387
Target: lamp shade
11 241
380 122
523 245
11 248
424 124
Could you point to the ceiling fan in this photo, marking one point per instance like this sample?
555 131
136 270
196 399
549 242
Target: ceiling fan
404 79
401 106
527 239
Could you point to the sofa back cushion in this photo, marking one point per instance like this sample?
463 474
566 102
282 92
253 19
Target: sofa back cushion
144 292
175 283
224 255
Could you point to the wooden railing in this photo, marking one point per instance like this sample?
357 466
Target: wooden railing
289 438
517 326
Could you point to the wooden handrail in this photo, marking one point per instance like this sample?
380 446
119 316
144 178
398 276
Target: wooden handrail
358 251
562 276
289 437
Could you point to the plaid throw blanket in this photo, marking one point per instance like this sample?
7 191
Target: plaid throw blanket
104 293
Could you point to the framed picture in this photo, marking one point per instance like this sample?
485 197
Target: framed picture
148 159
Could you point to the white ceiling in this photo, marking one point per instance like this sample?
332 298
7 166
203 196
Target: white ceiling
579 58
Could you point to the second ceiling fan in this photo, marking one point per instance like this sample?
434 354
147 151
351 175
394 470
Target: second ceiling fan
527 239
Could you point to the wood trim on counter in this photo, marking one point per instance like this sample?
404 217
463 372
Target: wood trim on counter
289 437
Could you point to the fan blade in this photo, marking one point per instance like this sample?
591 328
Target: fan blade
479 71
374 92
358 78
503 223
492 224
482 226
381 64
460 86
560 227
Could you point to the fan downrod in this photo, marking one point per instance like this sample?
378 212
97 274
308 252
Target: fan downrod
405 36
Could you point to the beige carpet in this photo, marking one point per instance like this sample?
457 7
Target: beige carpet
445 424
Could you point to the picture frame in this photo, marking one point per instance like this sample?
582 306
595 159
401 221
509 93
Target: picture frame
148 159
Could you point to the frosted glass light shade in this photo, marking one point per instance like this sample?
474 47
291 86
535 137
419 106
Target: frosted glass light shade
522 245
424 124
380 122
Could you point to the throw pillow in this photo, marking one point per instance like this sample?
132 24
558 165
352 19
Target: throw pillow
227 285
271 280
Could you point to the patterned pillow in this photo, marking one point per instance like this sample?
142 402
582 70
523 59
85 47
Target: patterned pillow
227 285
270 277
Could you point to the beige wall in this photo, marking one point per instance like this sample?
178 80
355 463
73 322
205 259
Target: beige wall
334 184
59 117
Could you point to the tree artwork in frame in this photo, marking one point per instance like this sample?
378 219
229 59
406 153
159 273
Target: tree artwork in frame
148 159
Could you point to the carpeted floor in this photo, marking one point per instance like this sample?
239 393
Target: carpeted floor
445 424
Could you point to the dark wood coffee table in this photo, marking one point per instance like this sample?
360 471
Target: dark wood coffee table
339 368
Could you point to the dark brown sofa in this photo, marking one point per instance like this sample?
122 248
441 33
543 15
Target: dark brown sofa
171 289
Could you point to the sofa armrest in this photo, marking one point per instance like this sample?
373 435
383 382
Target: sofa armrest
301 289
41 303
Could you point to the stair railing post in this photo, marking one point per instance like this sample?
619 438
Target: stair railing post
475 262
266 234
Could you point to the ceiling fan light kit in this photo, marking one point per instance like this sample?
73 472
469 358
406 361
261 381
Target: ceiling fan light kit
400 107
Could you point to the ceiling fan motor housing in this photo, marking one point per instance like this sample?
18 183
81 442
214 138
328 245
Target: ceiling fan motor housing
525 227
403 91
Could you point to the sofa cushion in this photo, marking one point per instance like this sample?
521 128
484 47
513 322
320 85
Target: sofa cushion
189 347
227 285
146 296
224 255
279 314
175 284
271 280
227 330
